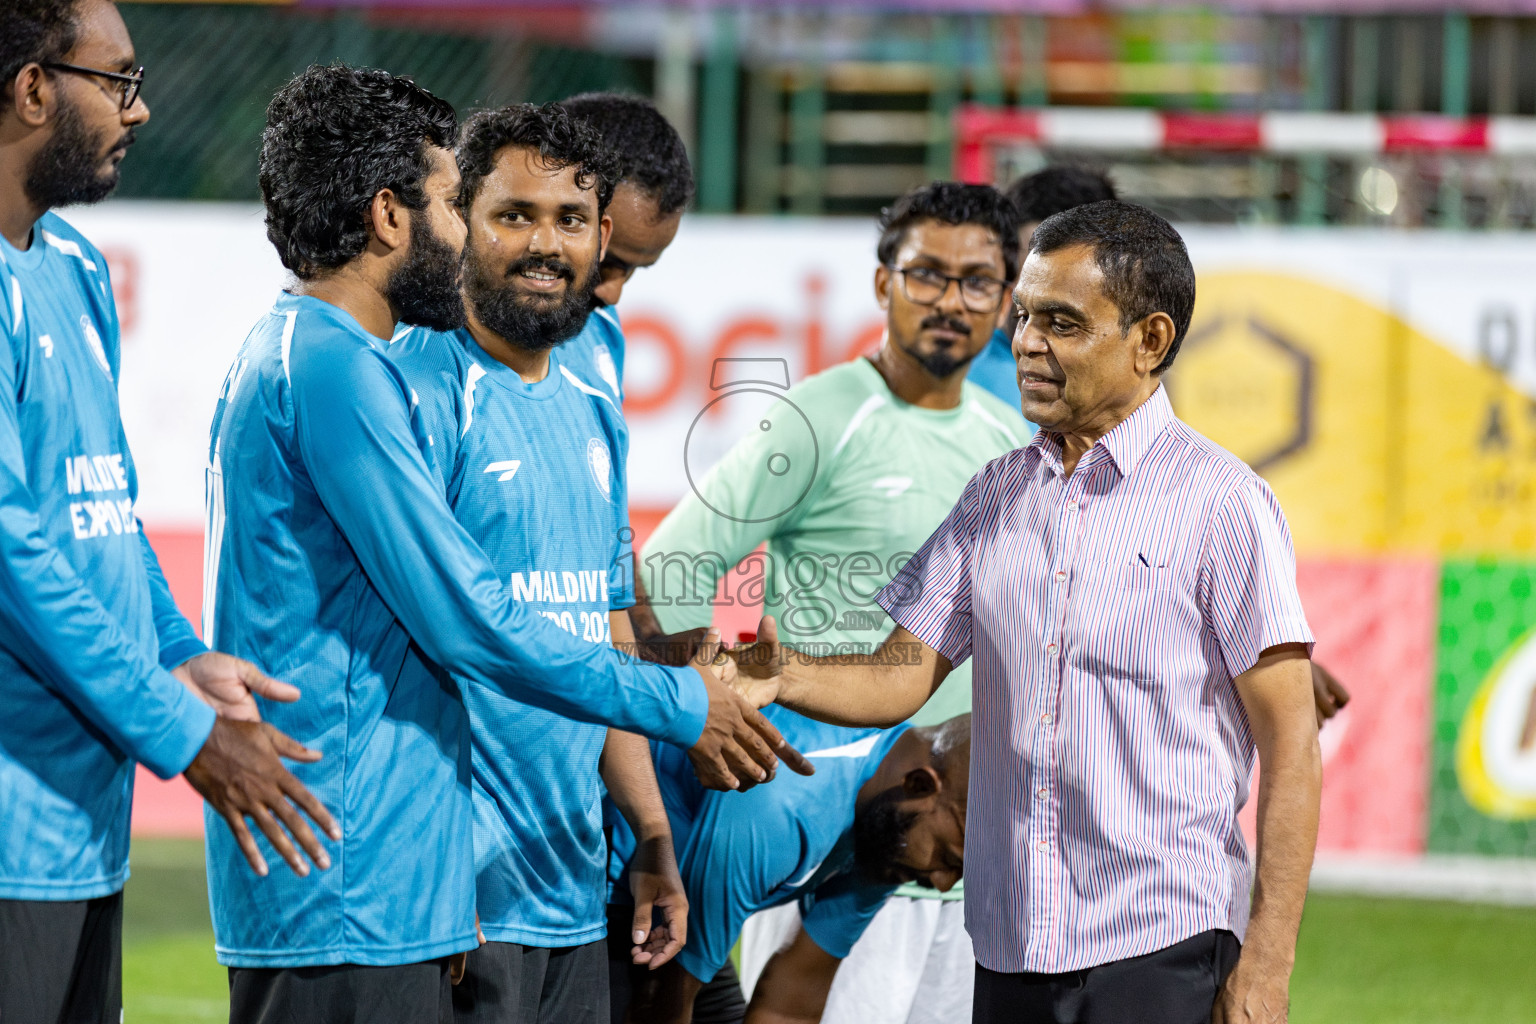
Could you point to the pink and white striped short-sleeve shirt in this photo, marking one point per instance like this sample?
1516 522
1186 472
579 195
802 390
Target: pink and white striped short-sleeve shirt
1108 613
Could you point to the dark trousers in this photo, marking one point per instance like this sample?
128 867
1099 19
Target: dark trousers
62 962
341 994
1177 985
509 983
719 1002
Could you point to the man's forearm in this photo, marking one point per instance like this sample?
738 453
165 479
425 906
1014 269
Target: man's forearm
877 690
626 767
1290 783
627 771
642 617
794 985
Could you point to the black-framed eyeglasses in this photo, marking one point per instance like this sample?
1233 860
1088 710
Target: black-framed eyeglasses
926 286
128 82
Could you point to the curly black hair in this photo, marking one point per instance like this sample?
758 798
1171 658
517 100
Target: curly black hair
1145 265
651 153
952 203
561 140
1057 189
35 30
336 136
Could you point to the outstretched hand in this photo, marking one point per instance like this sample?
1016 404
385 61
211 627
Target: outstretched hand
759 665
240 772
739 747
230 685
657 887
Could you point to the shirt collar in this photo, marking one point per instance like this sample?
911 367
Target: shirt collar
1132 436
1125 444
1044 447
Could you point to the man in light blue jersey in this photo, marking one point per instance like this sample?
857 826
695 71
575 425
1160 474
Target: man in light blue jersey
97 667
654 187
337 559
530 452
886 806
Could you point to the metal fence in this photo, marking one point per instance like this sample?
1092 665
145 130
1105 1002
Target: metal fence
797 110
213 69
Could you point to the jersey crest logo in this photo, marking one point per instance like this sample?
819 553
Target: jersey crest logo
94 341
507 469
46 344
605 367
601 464
893 486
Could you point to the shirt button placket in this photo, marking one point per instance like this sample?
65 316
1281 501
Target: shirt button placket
1070 526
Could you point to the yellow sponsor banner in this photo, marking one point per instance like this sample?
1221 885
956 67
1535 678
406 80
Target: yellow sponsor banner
1375 437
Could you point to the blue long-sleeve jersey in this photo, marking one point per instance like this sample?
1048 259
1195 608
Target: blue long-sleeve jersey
535 472
87 624
340 568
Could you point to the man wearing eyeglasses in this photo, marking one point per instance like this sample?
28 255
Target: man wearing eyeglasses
98 669
894 438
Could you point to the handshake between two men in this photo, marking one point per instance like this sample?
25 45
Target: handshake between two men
738 748
240 770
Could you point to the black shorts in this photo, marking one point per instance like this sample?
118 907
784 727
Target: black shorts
62 962
1176 985
341 994
508 982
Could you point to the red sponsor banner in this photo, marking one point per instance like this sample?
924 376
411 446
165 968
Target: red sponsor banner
1375 628
1374 621
171 808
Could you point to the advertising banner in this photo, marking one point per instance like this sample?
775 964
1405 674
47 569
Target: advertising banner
1483 786
1383 383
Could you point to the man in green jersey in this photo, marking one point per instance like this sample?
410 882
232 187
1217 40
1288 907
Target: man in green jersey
892 441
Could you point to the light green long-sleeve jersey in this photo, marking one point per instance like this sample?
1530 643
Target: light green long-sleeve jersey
878 476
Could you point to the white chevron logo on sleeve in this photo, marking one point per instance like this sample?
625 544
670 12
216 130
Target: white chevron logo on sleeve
858 748
507 469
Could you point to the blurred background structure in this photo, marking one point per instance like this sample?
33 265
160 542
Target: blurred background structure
1356 180
801 108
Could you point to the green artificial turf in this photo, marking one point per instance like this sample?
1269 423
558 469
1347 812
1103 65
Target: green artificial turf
169 973
1363 960
1360 960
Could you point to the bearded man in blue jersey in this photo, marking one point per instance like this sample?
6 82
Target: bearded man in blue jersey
337 559
653 188
531 453
98 669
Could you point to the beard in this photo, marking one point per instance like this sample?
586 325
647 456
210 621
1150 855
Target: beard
880 835
425 288
940 362
66 171
528 322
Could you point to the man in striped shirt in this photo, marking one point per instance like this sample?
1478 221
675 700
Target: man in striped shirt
1128 590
